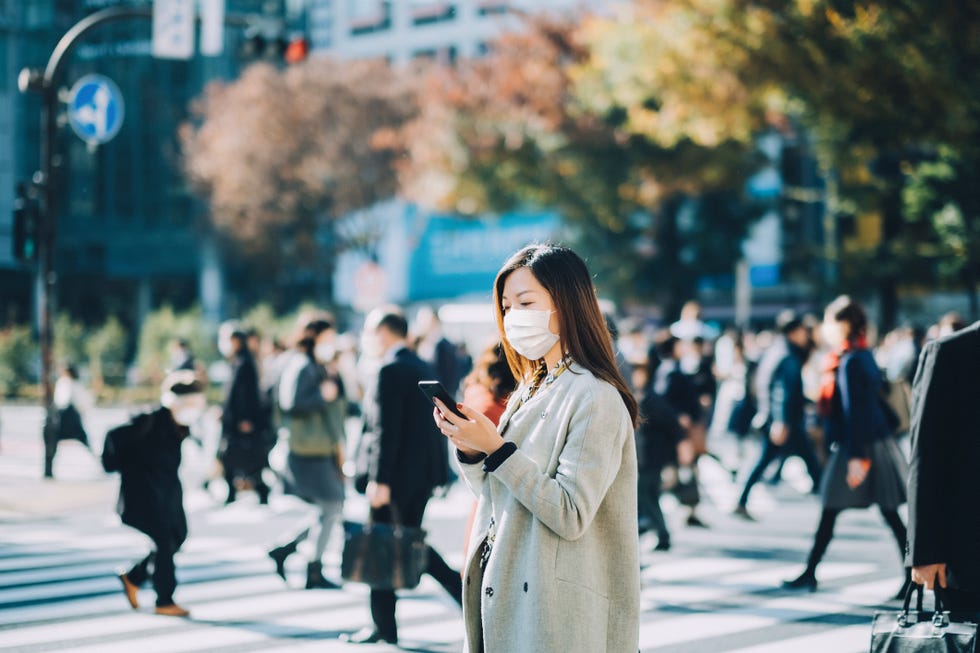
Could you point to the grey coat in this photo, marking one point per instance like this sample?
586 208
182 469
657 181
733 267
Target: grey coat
564 572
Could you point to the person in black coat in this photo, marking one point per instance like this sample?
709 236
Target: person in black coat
944 483
146 453
244 450
408 459
782 416
681 395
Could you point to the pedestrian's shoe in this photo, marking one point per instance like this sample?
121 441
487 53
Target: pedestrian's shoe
279 555
130 590
694 520
663 544
368 636
172 610
743 512
805 581
315 579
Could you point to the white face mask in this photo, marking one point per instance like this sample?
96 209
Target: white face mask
186 409
187 416
528 333
324 353
226 348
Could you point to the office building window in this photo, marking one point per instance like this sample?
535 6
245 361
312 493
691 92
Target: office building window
368 16
425 12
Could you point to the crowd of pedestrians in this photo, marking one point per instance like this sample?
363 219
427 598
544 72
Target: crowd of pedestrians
573 428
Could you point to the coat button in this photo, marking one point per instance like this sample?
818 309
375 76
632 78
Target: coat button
489 591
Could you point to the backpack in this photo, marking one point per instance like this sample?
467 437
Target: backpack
117 439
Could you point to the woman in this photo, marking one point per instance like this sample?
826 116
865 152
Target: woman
865 464
489 385
553 564
312 406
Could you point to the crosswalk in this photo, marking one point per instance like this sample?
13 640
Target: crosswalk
716 590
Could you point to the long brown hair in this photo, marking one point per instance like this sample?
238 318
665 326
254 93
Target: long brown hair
584 333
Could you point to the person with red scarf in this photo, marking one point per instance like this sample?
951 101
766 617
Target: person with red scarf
865 466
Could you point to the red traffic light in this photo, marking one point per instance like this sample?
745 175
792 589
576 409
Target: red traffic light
297 50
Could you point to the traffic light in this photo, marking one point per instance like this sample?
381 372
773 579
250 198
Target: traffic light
297 50
25 226
265 38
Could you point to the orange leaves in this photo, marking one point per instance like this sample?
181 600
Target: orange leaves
288 148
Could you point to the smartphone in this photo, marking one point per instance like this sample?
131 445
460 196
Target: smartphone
434 390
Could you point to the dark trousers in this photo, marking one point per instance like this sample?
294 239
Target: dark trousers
825 532
797 444
259 485
164 573
383 601
957 600
649 488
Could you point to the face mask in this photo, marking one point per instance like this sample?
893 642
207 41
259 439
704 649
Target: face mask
528 333
187 416
226 348
324 353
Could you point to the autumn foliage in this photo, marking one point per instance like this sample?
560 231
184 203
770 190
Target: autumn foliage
280 152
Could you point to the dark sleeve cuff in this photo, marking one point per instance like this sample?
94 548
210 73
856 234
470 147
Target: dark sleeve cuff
497 458
469 460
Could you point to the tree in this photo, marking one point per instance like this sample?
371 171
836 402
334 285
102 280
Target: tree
943 194
882 85
280 154
518 127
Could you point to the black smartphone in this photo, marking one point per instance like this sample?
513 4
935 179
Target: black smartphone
434 390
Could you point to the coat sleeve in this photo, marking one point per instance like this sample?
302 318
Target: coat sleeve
859 401
928 484
391 422
588 463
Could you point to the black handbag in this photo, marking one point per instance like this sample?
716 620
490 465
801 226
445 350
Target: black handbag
383 556
921 631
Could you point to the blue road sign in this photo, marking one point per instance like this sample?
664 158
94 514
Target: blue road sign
95 109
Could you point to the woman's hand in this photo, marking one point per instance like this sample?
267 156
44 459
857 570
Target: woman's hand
857 471
474 435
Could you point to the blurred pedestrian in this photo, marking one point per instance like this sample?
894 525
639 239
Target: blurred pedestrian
146 453
866 466
944 524
659 437
554 565
408 461
680 393
244 445
783 425
71 400
312 409
435 349
181 357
